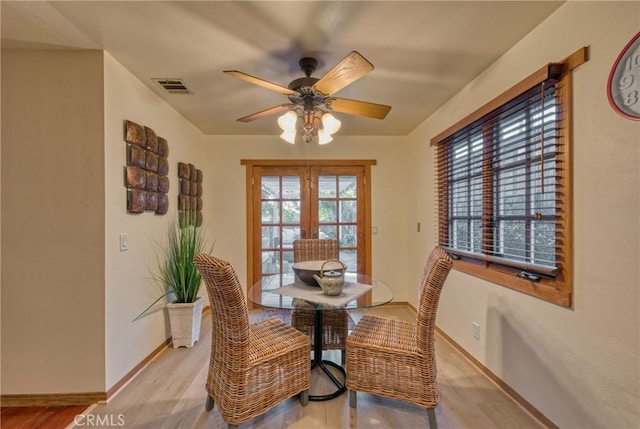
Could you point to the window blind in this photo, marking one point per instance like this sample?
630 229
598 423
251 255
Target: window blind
501 185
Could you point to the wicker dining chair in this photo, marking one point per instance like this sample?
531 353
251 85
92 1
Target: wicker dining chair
394 358
335 323
252 366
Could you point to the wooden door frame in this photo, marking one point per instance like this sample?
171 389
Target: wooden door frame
366 194
254 203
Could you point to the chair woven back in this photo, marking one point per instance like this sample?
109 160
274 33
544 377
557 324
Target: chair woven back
311 249
253 367
229 314
434 275
335 326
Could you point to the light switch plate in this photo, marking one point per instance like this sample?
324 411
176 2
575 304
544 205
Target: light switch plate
124 241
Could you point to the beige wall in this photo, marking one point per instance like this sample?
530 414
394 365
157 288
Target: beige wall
53 231
129 288
63 207
580 366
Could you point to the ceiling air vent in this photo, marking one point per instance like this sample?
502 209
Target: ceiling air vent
173 86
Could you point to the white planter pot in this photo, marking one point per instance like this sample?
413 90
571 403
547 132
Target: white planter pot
185 322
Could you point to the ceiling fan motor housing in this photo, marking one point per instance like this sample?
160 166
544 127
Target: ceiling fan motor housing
302 83
309 97
308 65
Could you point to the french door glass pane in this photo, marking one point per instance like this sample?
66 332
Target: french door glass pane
270 211
270 262
270 187
289 234
348 237
328 231
326 186
348 211
281 206
291 188
270 237
327 211
350 259
291 211
287 258
348 187
338 214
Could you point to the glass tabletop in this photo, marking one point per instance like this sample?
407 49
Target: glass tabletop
276 292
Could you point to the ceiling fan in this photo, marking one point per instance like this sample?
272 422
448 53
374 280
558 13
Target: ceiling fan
312 98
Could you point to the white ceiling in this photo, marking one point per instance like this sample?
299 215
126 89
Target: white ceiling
423 51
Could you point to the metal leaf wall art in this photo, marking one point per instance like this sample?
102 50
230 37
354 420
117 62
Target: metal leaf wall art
146 173
190 194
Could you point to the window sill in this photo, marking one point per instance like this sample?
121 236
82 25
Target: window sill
550 290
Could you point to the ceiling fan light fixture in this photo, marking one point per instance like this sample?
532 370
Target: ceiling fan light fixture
287 122
330 124
309 120
324 137
289 136
312 123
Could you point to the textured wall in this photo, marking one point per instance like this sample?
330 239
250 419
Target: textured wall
52 222
580 366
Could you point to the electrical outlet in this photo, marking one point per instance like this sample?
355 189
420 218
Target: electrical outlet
476 330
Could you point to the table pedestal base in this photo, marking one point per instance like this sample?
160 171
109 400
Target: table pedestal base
324 364
340 384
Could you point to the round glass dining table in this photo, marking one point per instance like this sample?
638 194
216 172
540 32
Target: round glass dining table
287 292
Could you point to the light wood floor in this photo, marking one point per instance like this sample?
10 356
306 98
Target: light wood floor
169 393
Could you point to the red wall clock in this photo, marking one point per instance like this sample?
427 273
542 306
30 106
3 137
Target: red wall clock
623 86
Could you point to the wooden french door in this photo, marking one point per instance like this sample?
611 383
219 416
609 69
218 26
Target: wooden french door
288 200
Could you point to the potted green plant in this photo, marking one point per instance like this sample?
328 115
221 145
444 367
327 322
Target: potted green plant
181 279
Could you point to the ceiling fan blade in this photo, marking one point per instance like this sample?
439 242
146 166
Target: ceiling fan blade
267 112
351 68
261 82
361 108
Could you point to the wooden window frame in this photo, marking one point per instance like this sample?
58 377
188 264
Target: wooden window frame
558 288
